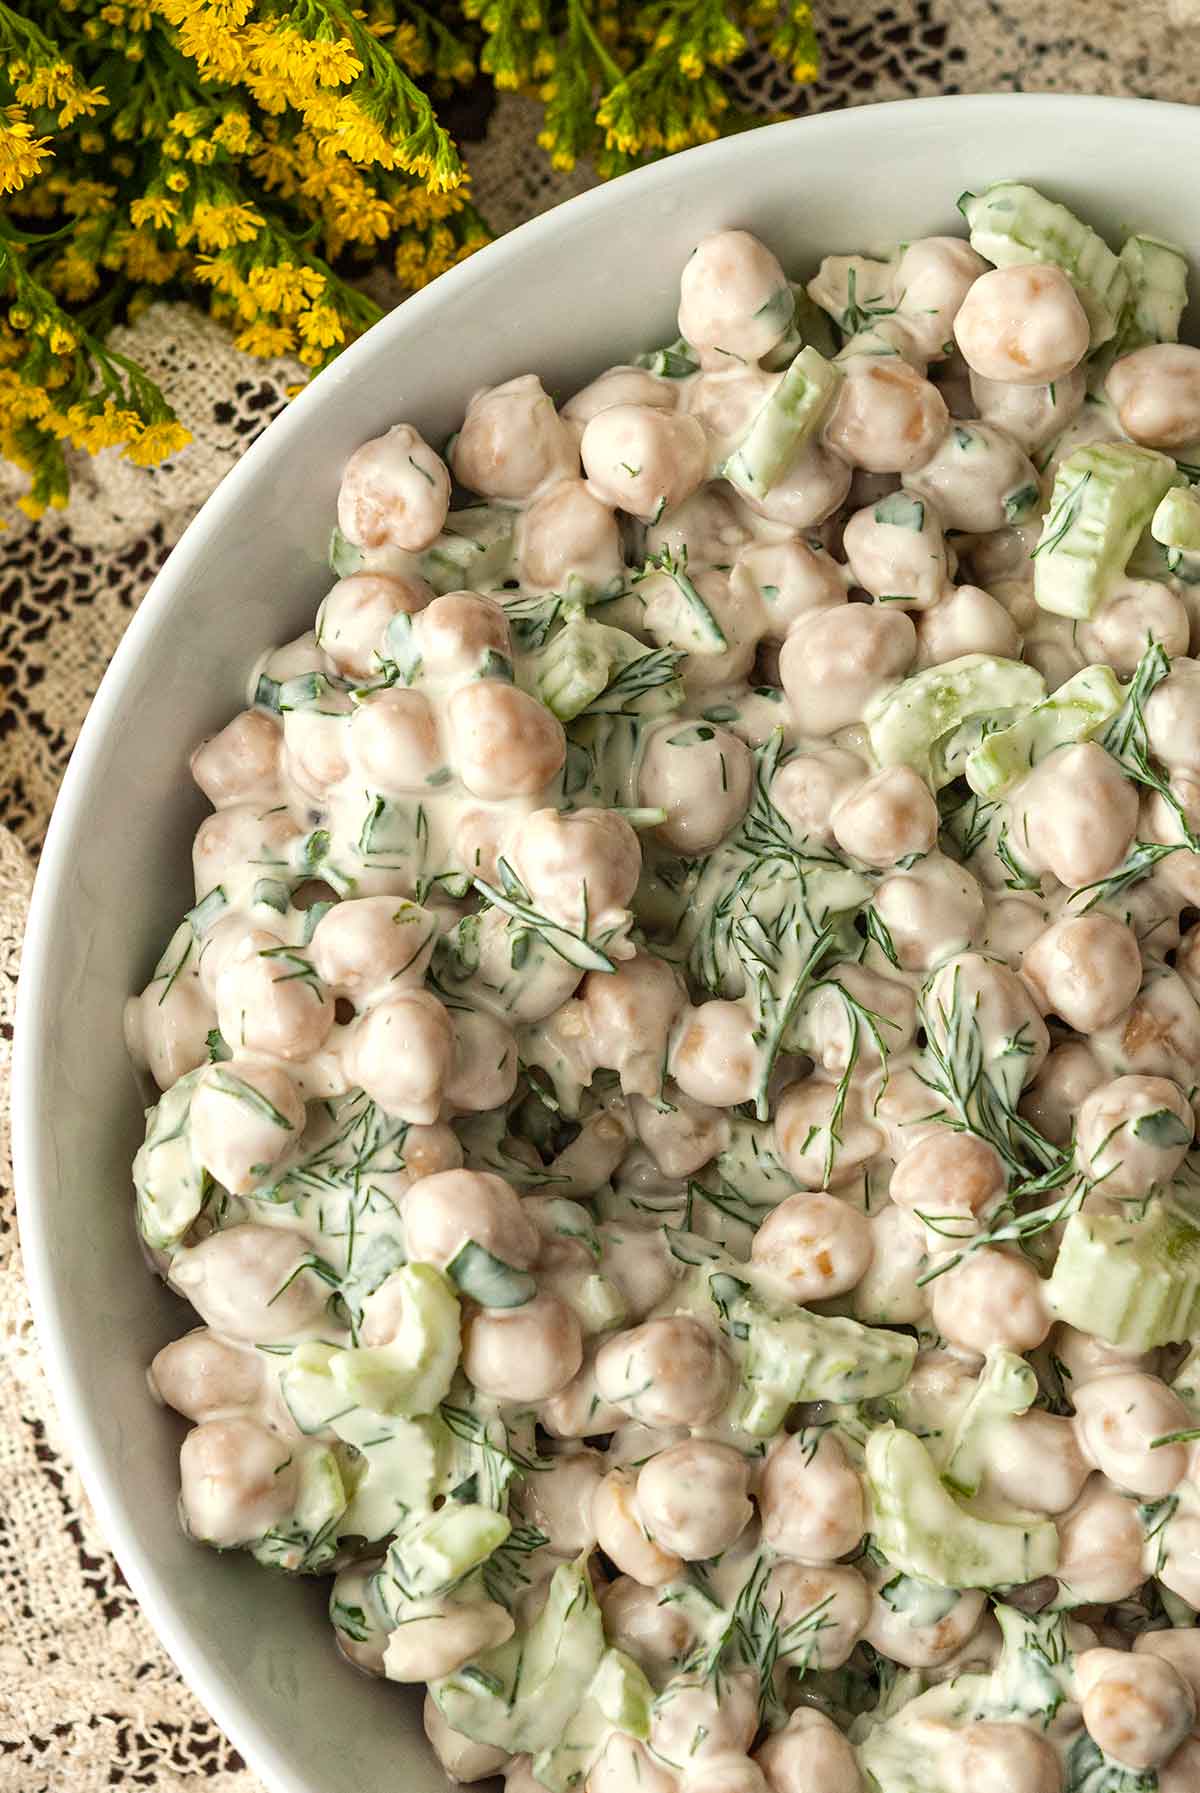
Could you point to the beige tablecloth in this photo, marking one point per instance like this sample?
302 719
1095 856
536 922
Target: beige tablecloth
88 1701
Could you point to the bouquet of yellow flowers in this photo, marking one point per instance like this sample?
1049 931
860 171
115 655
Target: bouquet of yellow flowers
259 151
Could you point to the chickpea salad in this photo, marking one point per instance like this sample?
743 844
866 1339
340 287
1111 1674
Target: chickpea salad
676 1097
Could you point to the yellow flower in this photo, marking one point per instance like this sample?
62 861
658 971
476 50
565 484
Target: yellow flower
187 124
34 509
233 133
21 153
142 258
202 151
177 181
154 208
321 327
263 338
157 442
62 340
220 226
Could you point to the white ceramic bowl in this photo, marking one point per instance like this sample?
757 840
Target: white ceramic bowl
566 295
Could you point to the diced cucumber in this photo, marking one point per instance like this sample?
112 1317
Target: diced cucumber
202 917
168 1182
907 724
620 1696
412 1373
787 1355
428 1558
474 552
397 1472
923 1531
310 1394
1077 711
674 362
307 1541
574 667
1176 522
522 1695
488 1280
1131 1282
792 414
1006 1386
1105 494
1012 223
1158 292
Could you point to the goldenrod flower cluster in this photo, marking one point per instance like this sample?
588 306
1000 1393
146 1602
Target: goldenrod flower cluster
259 152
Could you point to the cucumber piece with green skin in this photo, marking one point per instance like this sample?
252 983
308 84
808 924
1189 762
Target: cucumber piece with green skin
412 1373
1007 1386
522 1695
1132 1283
1077 711
619 1697
474 552
488 1280
787 1355
906 723
1012 224
792 415
923 1531
1105 494
1158 292
430 1557
169 1185
1176 522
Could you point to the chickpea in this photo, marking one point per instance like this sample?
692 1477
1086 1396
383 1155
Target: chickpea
1002 1010
546 980
734 298
1182 1772
638 1261
353 620
725 402
668 1372
236 1481
506 744
684 1137
244 1117
1036 1463
234 837
394 740
463 1759
808 787
813 1247
1022 324
315 746
1084 1356
625 1766
1138 612
444 1211
693 1498
578 1411
1069 1075
810 1500
991 1299
1138 1708
352 1587
1100 1545
434 1643
836 293
967 620
952 1179
833 663
897 550
932 910
738 615
975 476
401 1055
1032 415
460 633
395 492
1172 713
653 1631
523 1353
810 489
204 1377
567 540
1133 1133
887 418
816 1159
252 1282
891 816
705 528
829 1032
728 1774
1180 1648
373 944
623 1535
240 763
559 1500
642 460
1117 1419
580 867
1156 391
1159 1034
691 1721
1181 1570
270 1000
483 1067
1086 969
932 279
619 386
1005 1756
167 1029
809 1755
629 1014
788 579
701 776
898 1635
906 1111
715 1056
839 1597
888 1294
513 443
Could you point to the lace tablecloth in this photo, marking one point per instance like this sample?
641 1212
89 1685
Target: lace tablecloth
88 1700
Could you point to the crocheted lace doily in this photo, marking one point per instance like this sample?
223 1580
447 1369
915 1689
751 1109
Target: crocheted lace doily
88 1700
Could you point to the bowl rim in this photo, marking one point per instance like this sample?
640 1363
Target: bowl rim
31 1145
